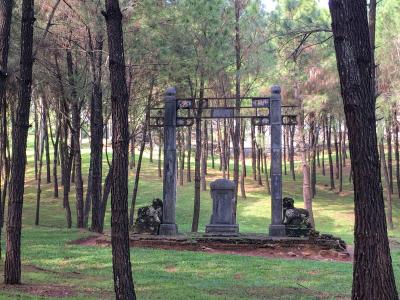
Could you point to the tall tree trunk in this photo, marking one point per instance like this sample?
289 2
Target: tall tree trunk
160 145
259 158
387 181
76 129
373 276
340 158
243 159
306 167
323 145
329 146
5 27
96 131
313 147
182 157
132 150
204 157
212 144
151 147
197 179
236 133
55 155
396 151
42 137
219 145
335 138
344 149
66 157
284 150
122 269
36 140
292 130
390 155
12 267
317 146
105 194
266 171
253 152
136 182
189 154
46 138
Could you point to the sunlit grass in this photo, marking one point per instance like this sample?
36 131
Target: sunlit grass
160 274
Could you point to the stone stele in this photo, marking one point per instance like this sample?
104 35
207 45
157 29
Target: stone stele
223 221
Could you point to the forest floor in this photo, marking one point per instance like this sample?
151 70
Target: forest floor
54 267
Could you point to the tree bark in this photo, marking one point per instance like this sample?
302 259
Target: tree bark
197 176
373 276
390 155
253 152
292 130
55 154
284 150
12 267
243 159
387 181
42 137
96 132
323 146
236 133
76 129
132 149
307 198
396 151
335 138
123 281
313 146
160 145
66 157
329 146
212 144
36 140
204 157
189 154
340 158
151 147
46 138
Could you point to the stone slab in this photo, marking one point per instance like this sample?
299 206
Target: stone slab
222 229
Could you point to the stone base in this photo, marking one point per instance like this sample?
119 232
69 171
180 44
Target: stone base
277 230
168 229
222 229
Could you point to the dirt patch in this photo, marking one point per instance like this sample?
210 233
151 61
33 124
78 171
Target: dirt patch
171 269
41 290
93 240
307 251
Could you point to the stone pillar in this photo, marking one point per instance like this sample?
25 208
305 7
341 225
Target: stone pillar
168 225
223 220
276 228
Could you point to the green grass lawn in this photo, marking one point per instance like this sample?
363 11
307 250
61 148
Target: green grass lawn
53 267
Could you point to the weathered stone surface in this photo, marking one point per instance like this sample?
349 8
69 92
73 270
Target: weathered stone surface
168 227
296 220
222 221
324 253
149 218
276 229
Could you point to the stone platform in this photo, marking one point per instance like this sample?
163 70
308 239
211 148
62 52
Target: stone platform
323 241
